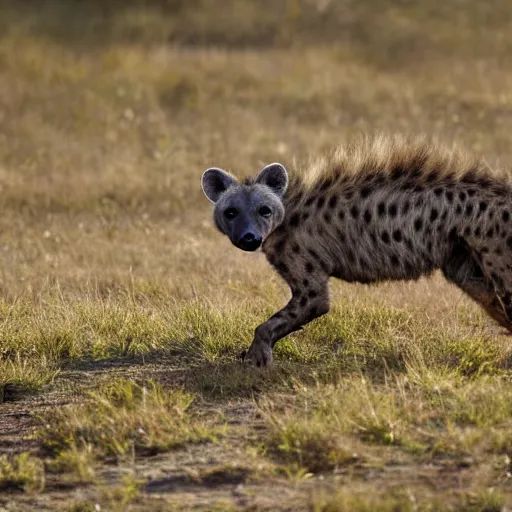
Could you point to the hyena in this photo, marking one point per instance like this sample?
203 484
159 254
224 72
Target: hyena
378 209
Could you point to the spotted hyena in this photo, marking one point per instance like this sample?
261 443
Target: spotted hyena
380 208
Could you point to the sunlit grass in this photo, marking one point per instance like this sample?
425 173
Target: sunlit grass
486 500
355 337
22 472
122 416
28 373
425 413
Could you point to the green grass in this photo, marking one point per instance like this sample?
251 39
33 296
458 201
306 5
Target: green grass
353 338
21 472
25 373
455 418
122 418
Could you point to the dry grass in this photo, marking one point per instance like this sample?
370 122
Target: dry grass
432 416
398 500
123 418
21 472
112 274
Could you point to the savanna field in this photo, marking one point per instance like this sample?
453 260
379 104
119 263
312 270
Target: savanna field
123 312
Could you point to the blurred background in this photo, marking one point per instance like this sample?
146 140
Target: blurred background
110 111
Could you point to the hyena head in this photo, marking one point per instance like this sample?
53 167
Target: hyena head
247 212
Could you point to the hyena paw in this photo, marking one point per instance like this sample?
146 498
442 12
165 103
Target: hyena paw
259 354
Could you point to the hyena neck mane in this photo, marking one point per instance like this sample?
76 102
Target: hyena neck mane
382 159
367 163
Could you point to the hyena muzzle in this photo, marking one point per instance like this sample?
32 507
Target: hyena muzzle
381 208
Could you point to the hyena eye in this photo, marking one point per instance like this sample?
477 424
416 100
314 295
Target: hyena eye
230 213
265 211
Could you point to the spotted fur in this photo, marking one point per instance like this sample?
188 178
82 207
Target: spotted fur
389 208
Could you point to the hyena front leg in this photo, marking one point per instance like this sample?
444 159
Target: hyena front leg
309 301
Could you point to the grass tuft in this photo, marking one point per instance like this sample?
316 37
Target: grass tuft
21 472
404 500
122 417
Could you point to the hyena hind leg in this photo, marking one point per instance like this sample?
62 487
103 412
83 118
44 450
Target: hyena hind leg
464 269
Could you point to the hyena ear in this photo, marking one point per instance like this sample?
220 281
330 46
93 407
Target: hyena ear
215 182
275 177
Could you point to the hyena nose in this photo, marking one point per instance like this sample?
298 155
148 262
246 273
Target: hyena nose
248 238
249 242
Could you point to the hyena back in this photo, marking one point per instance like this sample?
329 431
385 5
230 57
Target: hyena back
381 208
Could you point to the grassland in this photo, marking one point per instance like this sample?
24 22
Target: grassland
122 311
